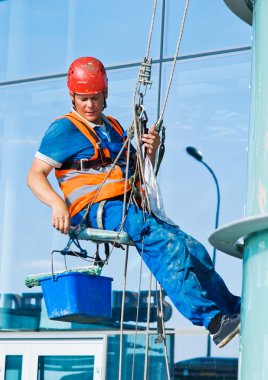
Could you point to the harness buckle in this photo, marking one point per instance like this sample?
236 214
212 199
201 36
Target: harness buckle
82 161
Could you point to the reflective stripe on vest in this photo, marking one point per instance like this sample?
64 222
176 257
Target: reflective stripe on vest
81 186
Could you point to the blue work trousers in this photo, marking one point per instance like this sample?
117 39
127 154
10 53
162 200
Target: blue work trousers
179 263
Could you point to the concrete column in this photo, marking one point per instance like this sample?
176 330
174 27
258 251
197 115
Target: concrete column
253 364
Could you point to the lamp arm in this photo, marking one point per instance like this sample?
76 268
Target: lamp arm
216 226
218 192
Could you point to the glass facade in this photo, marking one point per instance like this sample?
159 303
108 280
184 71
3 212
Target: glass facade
134 365
208 107
65 367
13 367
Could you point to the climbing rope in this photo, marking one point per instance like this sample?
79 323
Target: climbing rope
145 373
122 317
137 321
163 335
160 119
151 30
144 79
125 188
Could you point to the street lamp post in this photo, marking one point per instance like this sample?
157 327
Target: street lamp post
195 153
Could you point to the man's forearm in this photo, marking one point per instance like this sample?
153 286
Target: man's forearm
42 189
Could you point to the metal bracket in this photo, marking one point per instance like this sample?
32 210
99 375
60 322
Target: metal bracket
145 72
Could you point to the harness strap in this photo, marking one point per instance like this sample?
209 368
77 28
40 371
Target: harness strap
100 226
98 260
85 163
99 214
100 153
92 133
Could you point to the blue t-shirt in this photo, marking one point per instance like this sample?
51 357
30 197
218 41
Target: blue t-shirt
63 141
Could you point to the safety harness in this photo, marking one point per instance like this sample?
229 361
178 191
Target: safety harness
81 181
102 154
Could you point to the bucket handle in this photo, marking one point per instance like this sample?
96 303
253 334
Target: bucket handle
53 275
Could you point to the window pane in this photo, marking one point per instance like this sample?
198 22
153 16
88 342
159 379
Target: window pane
54 33
65 368
134 362
208 108
205 368
205 27
13 367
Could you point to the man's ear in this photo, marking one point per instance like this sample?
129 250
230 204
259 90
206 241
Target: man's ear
72 96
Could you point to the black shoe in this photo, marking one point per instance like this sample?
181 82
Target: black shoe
230 326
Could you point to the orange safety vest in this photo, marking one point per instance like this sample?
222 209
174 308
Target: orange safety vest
80 186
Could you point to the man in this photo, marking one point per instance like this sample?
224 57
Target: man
81 146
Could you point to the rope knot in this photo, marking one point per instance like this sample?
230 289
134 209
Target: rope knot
130 132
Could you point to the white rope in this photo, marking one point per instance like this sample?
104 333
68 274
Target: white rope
174 61
122 316
140 163
145 84
137 321
151 30
140 159
164 333
147 329
125 189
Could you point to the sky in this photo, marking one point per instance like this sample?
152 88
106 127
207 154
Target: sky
208 107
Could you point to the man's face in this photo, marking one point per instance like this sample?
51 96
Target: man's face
89 106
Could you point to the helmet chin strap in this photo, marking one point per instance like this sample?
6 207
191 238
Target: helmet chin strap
104 104
73 102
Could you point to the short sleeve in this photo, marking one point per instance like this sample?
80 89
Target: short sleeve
62 142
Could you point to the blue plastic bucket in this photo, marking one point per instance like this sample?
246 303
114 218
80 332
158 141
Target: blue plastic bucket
77 297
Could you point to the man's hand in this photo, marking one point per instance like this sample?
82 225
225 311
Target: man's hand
61 218
42 189
151 142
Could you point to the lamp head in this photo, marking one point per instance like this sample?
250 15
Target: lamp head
195 153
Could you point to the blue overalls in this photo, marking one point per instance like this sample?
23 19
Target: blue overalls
179 263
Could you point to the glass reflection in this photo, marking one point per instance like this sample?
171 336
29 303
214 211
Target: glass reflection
13 368
207 369
70 34
65 368
205 28
133 362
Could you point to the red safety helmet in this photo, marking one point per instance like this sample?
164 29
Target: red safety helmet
87 75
